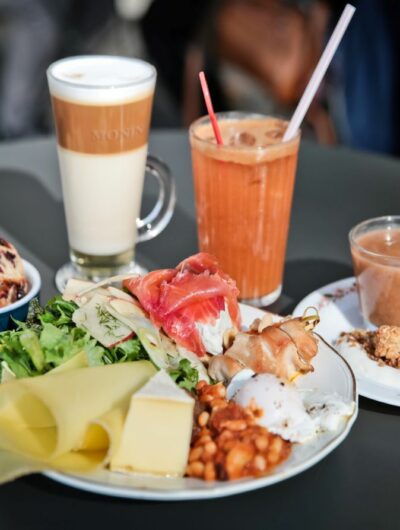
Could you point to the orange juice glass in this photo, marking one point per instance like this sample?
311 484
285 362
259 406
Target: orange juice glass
243 192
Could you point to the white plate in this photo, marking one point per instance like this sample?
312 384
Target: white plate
332 374
339 310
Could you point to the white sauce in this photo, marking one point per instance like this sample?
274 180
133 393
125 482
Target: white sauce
326 410
366 368
213 336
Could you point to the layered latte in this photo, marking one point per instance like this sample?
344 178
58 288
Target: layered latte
102 109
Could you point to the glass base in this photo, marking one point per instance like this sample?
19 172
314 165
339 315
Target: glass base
265 300
71 270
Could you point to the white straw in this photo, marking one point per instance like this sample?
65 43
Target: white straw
319 72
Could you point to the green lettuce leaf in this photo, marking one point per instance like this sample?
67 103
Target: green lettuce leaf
17 358
58 312
49 338
31 344
60 344
129 350
95 353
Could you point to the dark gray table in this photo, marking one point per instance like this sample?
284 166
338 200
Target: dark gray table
357 486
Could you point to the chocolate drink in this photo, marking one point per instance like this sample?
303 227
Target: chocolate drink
244 195
376 259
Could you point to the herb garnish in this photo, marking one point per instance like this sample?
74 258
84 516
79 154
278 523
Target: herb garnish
108 321
185 375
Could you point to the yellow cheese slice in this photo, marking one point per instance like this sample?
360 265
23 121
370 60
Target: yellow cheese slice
13 466
69 420
157 430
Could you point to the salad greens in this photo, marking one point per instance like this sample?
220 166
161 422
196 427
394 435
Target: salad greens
49 338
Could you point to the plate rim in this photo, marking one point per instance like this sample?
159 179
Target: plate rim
222 489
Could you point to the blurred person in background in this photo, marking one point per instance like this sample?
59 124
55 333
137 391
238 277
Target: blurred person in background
33 33
258 55
28 36
279 44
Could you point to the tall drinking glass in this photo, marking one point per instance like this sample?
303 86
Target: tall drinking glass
102 108
244 191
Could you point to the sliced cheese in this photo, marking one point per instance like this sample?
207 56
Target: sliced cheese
119 294
148 334
100 323
74 287
107 281
81 291
70 421
157 431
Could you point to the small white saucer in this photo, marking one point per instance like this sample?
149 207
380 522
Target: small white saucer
338 307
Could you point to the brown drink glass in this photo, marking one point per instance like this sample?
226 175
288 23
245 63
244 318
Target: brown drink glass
243 192
375 249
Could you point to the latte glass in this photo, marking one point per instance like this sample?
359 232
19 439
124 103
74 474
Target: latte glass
102 109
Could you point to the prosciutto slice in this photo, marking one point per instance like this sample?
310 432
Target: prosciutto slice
197 291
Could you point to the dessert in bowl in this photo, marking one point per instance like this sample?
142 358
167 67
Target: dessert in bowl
19 284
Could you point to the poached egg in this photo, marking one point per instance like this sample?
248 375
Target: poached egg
295 414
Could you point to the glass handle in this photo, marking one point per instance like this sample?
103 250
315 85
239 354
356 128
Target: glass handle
155 222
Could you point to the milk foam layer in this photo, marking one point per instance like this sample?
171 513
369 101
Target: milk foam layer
101 79
101 218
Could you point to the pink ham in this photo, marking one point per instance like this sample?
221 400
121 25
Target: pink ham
195 292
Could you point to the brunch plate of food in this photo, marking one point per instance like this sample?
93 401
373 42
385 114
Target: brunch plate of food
164 387
374 355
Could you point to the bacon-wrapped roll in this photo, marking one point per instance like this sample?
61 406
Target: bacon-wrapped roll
285 349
